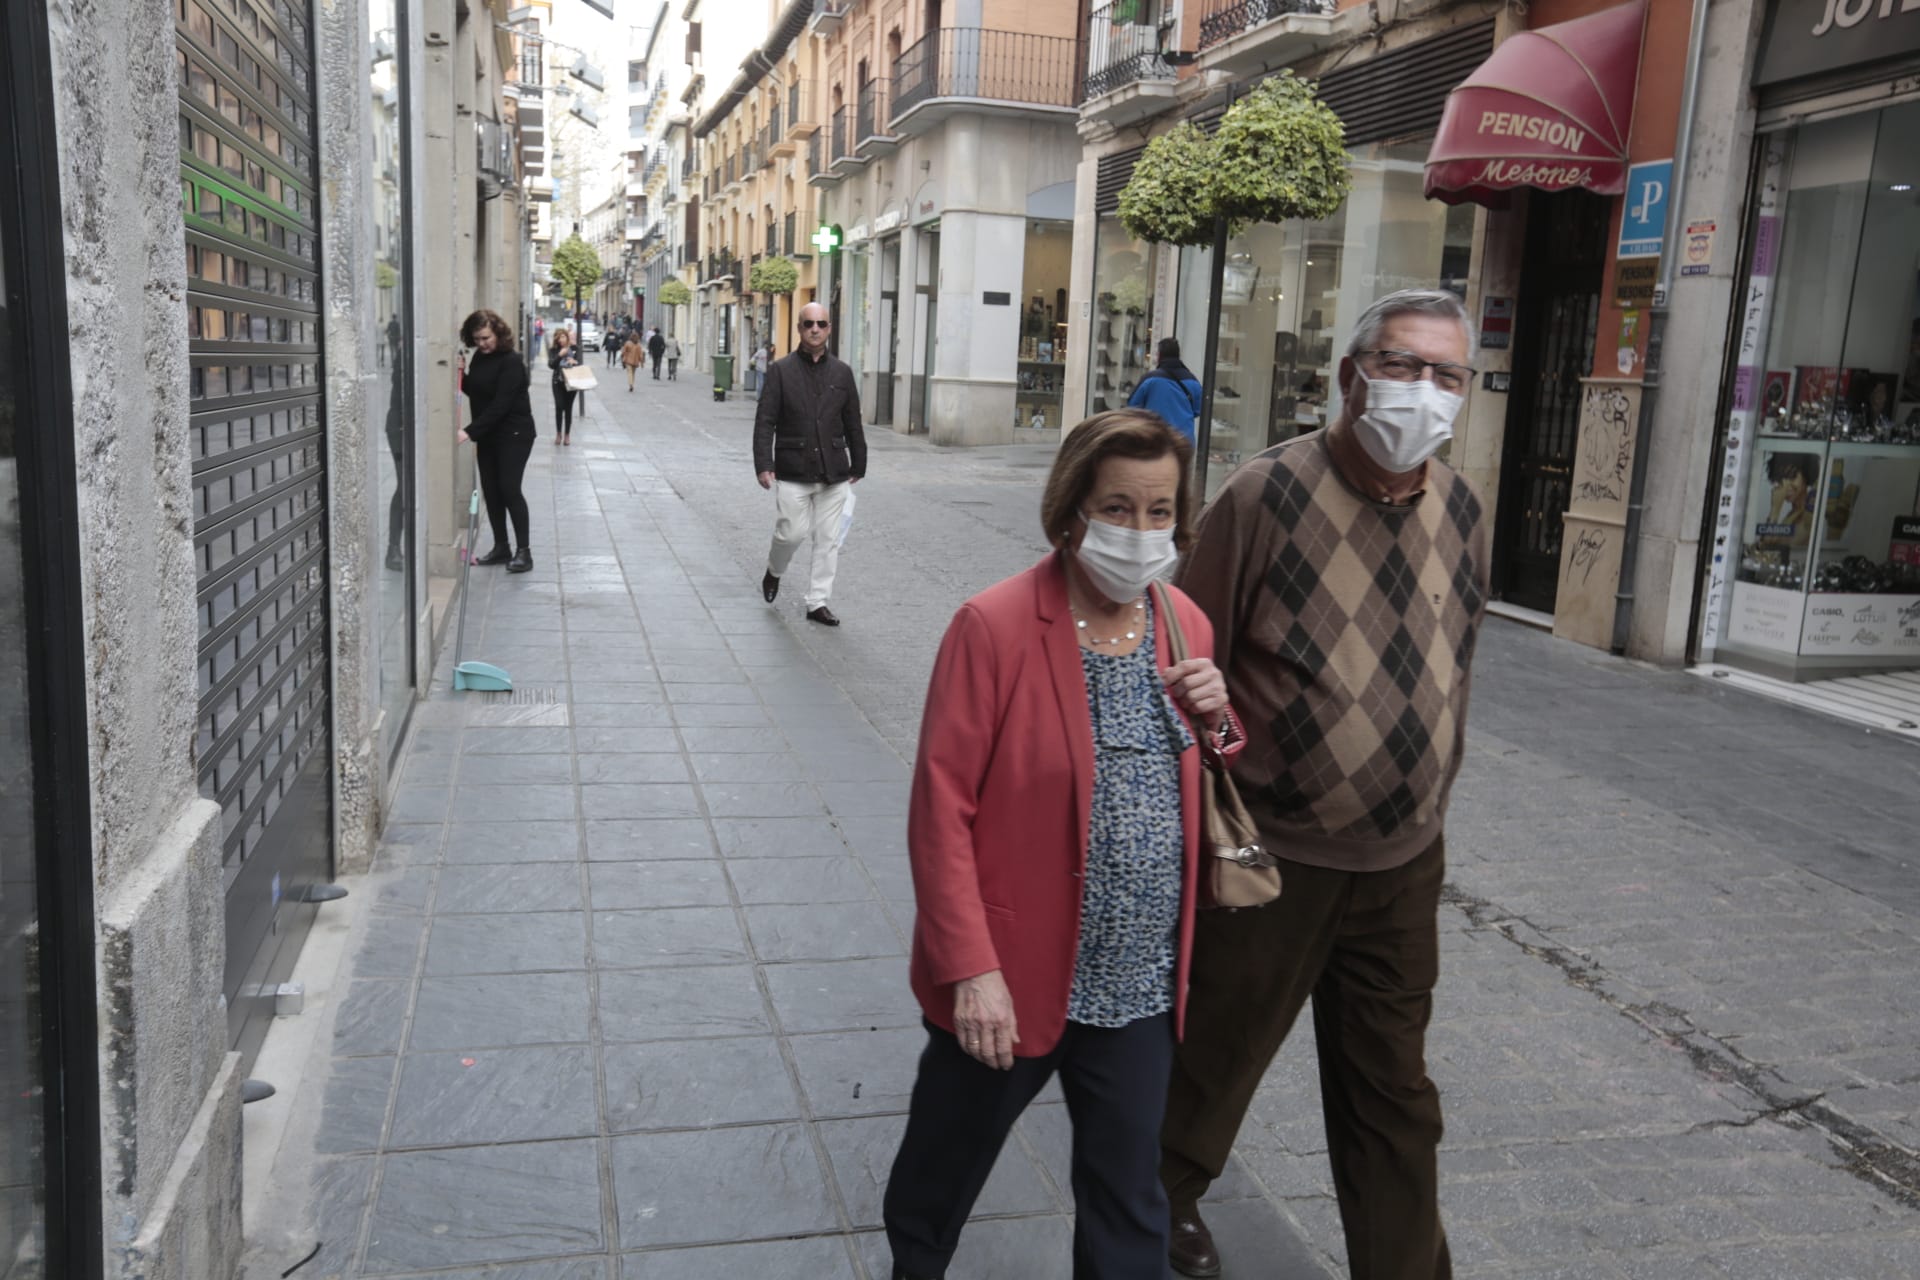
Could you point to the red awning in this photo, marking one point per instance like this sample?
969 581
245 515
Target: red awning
1550 109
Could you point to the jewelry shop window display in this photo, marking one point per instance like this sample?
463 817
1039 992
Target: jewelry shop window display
1821 516
1040 393
1123 335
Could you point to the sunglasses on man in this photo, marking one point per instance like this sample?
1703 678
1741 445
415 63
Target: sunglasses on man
815 324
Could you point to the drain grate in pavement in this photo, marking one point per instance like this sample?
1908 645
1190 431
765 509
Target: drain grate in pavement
531 696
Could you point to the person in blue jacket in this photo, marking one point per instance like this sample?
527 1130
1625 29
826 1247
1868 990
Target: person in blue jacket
1170 390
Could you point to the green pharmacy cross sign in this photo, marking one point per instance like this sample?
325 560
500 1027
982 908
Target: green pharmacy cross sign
827 239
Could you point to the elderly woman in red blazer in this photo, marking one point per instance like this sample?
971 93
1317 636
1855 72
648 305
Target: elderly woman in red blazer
1054 833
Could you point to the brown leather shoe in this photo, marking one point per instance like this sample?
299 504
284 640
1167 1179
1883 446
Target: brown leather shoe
1191 1249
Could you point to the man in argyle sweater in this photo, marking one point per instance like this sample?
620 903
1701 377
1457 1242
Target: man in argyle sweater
1346 575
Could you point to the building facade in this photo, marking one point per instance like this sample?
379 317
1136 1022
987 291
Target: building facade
945 158
1537 260
221 618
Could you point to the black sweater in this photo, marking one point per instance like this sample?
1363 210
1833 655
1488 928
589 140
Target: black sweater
496 387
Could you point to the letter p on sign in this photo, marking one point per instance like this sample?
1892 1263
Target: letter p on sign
1643 221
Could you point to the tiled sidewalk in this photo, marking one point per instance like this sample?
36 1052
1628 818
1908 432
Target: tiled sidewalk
626 995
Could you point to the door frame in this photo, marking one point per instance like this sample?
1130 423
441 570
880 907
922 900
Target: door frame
34 245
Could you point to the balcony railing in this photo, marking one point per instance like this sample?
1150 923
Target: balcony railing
788 244
818 161
803 115
750 159
870 111
842 144
1124 49
973 62
1225 19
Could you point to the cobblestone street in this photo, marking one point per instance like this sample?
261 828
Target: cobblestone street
625 996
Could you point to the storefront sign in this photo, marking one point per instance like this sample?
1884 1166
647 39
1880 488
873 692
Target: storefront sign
1496 324
1904 547
1808 37
1643 224
827 240
994 298
1765 617
1633 281
1697 249
1861 625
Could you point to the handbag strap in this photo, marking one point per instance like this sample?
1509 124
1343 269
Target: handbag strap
1176 637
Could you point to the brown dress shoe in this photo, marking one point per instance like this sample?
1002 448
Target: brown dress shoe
1191 1251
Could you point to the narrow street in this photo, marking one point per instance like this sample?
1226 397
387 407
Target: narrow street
625 995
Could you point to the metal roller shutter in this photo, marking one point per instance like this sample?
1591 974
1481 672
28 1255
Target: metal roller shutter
1400 93
247 158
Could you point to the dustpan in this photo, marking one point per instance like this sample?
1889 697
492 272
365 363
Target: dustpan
481 676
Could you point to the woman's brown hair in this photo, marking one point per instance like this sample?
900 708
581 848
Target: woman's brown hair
1118 433
483 318
559 336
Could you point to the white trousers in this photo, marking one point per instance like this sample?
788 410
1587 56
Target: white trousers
808 511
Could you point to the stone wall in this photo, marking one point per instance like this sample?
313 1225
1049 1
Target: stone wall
169 1100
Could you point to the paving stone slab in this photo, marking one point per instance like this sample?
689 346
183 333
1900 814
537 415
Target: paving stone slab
500 1011
681 1003
686 1084
719 1185
485 1204
495 1096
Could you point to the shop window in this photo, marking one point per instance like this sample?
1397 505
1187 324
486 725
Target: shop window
1820 512
1123 329
1041 394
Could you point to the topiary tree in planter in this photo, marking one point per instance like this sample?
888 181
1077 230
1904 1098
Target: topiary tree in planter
1280 153
1169 199
773 275
576 268
674 292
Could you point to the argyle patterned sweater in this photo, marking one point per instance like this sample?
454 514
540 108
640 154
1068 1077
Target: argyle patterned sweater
1345 628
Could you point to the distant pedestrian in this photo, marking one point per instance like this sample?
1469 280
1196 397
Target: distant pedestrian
810 449
631 357
760 360
673 359
500 425
657 349
563 356
1346 575
1049 723
1170 390
610 344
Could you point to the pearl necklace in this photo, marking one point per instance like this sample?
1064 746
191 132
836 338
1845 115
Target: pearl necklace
1139 609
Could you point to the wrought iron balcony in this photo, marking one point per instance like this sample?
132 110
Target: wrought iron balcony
976 63
819 168
1225 19
842 135
803 111
873 134
1123 45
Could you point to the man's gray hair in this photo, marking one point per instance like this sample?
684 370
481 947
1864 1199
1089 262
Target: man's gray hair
1429 302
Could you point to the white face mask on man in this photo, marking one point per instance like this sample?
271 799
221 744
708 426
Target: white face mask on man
1121 562
1404 423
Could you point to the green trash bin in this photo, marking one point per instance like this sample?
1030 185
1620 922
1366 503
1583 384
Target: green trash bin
722 376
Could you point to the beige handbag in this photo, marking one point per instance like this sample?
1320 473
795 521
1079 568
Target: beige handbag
1235 871
579 378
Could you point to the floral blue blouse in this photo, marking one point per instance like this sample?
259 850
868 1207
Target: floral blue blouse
1130 908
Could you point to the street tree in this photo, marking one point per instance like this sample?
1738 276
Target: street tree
577 269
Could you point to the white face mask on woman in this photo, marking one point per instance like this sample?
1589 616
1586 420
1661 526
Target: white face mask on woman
1121 562
1405 423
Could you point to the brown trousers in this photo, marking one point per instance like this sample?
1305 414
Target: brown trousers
1366 947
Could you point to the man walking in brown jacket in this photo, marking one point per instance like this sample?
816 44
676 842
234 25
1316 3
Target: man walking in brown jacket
1346 576
810 448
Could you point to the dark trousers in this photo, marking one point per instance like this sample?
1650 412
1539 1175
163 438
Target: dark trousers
1115 1084
656 368
563 408
1365 946
503 460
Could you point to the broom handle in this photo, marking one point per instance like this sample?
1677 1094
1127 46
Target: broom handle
473 525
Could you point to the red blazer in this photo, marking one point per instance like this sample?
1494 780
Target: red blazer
1002 798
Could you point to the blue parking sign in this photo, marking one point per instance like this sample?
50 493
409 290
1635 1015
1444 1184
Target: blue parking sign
1643 224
